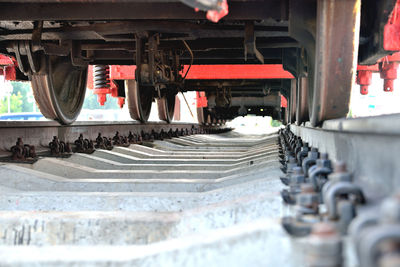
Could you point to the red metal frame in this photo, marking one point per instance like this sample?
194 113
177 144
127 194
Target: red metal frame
283 102
201 100
197 72
226 72
7 67
391 32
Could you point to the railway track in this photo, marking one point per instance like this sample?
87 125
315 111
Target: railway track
205 199
40 134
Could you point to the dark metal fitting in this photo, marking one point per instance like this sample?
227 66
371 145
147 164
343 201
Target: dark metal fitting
103 143
340 173
297 176
145 136
378 245
155 135
58 147
302 153
288 170
377 234
133 138
318 173
84 145
299 145
120 140
308 199
22 151
170 133
298 226
310 160
291 165
341 191
151 137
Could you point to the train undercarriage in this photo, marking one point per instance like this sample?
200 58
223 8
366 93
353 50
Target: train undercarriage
52 43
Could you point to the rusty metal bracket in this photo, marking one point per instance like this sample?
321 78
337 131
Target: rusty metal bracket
250 42
76 55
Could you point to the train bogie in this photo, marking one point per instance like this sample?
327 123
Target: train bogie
319 42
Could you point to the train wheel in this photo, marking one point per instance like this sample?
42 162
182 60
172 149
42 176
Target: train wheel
166 107
59 88
292 102
302 100
201 115
334 68
139 99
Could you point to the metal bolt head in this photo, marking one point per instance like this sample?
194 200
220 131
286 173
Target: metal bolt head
308 200
341 174
325 246
297 176
313 153
291 164
294 188
323 161
307 197
340 166
323 156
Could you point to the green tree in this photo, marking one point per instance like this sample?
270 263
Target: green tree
275 123
91 102
25 90
15 104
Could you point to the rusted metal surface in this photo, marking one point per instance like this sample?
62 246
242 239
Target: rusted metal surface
139 100
293 101
58 147
21 151
302 101
335 61
59 89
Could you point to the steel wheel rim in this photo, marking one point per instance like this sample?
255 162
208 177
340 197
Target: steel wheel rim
202 115
302 101
140 99
166 107
59 89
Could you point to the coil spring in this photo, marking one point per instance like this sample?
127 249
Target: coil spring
101 76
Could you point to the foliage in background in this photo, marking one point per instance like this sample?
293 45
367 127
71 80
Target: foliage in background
22 100
275 123
15 103
25 90
91 102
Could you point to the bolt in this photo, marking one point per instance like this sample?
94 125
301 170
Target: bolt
341 174
308 198
325 246
291 164
297 176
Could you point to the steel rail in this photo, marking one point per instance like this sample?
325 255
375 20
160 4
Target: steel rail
370 146
39 134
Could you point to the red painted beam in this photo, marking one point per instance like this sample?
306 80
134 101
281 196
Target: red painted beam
215 72
208 72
